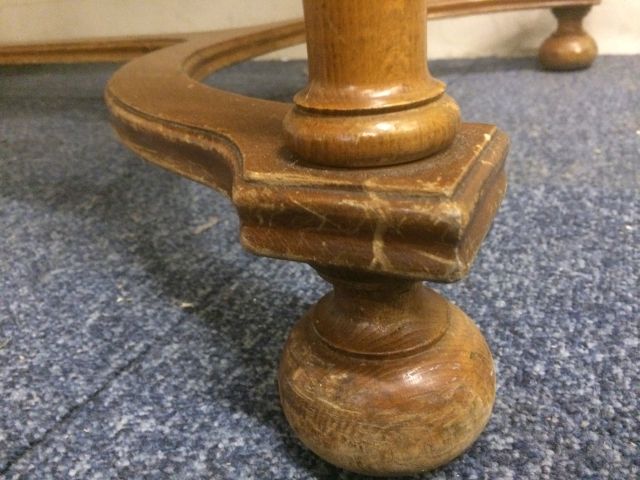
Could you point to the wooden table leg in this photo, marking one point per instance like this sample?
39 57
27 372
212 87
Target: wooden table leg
383 376
372 179
570 47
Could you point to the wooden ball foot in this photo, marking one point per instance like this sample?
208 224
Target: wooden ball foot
386 377
570 47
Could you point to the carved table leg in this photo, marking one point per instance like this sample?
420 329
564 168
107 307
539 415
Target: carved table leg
382 376
570 47
371 178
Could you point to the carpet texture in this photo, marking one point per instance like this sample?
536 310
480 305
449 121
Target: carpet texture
138 340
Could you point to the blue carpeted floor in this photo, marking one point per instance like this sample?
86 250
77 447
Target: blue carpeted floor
137 339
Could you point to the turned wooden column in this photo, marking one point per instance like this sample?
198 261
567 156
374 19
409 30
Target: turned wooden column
370 99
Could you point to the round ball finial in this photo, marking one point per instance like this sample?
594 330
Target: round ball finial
386 381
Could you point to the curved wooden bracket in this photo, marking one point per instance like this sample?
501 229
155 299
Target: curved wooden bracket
423 220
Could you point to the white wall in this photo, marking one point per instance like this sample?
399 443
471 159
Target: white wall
615 24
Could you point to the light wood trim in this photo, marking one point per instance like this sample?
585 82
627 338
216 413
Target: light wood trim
122 49
91 50
457 8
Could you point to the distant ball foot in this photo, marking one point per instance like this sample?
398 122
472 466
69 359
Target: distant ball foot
570 47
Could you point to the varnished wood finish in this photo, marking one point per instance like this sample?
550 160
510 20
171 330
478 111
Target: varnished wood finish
386 377
126 48
382 376
373 103
570 47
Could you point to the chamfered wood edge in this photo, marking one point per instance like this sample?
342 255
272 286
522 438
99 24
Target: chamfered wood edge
404 235
122 49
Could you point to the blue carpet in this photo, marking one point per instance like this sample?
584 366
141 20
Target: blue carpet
137 339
